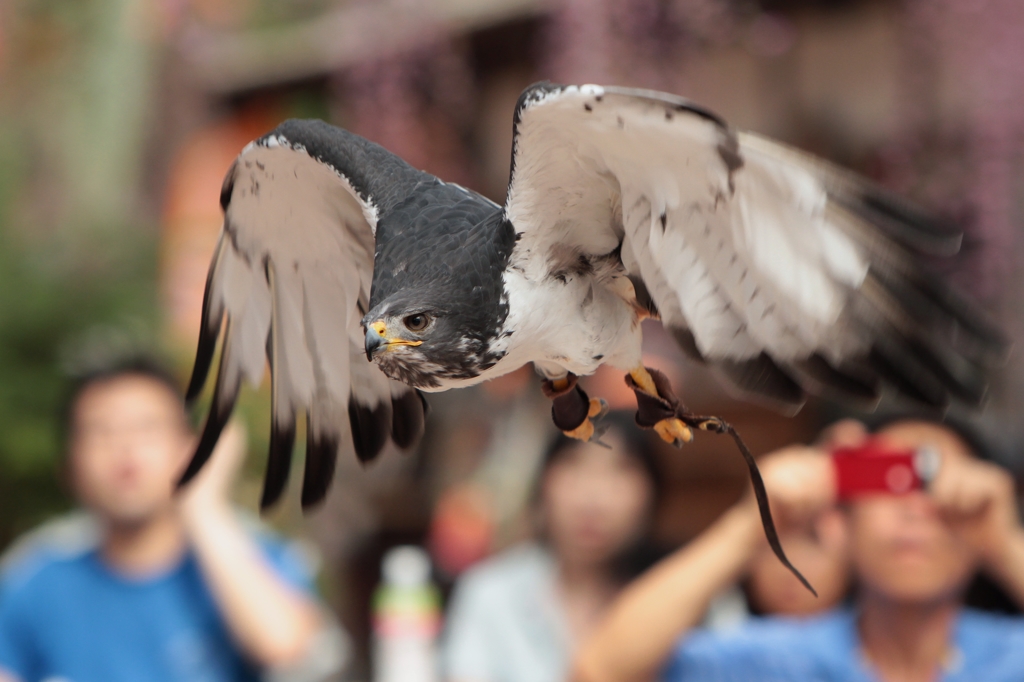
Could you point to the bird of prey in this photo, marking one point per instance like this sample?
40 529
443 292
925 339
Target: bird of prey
365 281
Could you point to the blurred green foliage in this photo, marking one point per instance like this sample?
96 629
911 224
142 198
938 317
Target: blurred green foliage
78 265
63 302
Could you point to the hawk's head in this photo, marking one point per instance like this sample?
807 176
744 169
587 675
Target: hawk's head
437 310
419 343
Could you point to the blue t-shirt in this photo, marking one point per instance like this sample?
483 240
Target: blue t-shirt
986 647
67 615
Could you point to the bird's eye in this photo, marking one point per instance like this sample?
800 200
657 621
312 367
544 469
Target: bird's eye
416 323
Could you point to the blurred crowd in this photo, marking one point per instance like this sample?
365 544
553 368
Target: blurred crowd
496 552
146 582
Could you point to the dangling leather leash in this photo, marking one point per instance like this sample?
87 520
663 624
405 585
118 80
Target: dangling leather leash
653 408
719 425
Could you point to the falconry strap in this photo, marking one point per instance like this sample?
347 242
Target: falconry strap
570 405
652 409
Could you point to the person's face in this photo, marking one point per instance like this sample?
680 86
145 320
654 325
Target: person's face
128 443
596 501
901 547
822 555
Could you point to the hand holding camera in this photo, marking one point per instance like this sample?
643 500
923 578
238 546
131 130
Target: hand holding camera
975 497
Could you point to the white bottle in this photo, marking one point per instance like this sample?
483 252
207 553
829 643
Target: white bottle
406 619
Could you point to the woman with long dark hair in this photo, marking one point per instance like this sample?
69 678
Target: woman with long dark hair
518 616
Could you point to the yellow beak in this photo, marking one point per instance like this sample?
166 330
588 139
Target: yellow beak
377 336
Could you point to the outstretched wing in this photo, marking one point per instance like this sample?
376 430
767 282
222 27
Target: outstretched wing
778 269
290 282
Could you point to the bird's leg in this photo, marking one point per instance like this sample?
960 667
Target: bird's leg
571 409
658 407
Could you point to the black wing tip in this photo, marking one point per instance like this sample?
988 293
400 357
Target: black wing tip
984 332
195 465
942 236
902 221
201 367
408 419
370 428
761 380
321 457
908 378
942 350
215 423
854 383
225 394
279 461
940 309
205 349
965 381
209 329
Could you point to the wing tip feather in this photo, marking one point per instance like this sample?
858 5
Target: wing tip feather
279 460
321 458
370 428
408 418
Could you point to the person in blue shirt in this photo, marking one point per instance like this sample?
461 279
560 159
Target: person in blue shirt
151 584
912 556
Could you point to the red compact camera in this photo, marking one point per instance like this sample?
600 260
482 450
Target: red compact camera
874 468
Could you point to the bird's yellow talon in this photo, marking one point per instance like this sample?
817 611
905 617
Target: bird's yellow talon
583 432
597 407
644 380
674 431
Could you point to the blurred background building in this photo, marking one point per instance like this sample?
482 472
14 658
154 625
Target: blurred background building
118 119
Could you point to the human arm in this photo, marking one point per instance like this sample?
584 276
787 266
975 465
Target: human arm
273 621
642 627
1007 568
978 500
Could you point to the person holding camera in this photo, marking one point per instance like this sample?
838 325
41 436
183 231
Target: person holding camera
913 555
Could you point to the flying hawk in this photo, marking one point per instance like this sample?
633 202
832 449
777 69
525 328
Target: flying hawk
780 271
